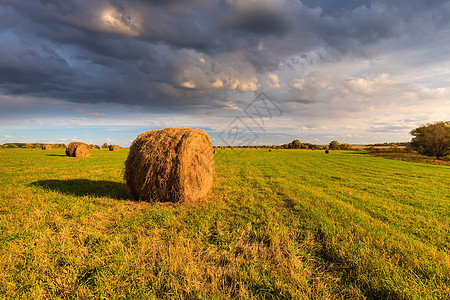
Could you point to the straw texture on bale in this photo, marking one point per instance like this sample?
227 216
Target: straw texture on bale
114 147
172 164
78 149
46 147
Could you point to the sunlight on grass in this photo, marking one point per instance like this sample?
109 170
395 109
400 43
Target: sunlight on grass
280 224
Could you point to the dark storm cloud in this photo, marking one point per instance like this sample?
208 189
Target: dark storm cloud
147 51
262 22
349 27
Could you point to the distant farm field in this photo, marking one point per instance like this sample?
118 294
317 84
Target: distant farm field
286 224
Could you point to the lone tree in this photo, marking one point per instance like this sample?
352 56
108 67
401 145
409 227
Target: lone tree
334 145
295 144
432 139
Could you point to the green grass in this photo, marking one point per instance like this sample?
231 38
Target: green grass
405 156
277 225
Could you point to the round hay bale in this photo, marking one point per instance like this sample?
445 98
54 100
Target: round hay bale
114 147
46 147
270 150
327 151
172 164
78 149
214 151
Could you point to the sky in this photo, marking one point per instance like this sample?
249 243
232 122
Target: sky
246 71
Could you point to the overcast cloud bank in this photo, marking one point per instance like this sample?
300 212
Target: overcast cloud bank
358 71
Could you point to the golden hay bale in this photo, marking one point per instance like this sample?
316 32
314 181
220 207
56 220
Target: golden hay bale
114 147
78 149
46 147
172 164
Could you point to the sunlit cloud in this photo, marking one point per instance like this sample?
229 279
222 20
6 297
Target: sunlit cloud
122 22
232 106
188 84
362 71
38 122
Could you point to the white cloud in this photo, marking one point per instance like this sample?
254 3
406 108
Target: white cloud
38 122
126 22
273 81
188 84
232 106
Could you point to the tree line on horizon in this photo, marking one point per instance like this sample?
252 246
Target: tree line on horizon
38 145
432 139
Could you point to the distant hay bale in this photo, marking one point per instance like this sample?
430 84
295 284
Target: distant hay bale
270 150
114 147
172 164
78 149
327 151
46 147
214 150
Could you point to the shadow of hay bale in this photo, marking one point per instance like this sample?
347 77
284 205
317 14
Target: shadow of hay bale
86 187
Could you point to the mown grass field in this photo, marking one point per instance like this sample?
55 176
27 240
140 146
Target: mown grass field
277 225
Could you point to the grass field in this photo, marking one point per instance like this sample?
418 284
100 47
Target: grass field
283 224
414 157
